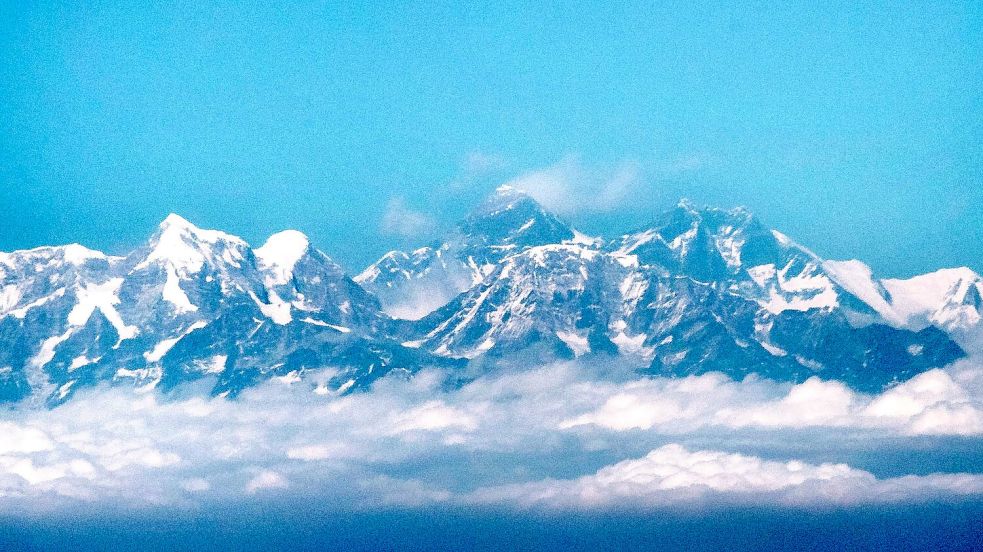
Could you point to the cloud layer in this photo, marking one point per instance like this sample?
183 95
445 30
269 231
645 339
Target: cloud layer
555 436
932 403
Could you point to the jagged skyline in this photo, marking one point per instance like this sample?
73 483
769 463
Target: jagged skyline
701 290
617 275
368 126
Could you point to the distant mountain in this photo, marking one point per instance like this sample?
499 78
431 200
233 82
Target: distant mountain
949 299
698 290
701 290
197 305
410 285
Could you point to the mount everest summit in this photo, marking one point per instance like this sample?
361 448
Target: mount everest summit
699 290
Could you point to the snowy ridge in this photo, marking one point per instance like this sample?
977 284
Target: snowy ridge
699 290
186 248
159 317
413 285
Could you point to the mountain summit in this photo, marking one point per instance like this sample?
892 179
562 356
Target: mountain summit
511 219
188 305
700 289
413 284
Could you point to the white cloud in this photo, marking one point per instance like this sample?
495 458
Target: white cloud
26 469
266 479
629 410
323 451
931 403
477 164
569 187
17 439
433 416
409 439
672 474
400 220
812 403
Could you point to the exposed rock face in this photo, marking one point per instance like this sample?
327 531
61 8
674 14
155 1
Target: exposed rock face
699 290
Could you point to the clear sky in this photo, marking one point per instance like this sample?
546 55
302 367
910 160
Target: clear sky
858 130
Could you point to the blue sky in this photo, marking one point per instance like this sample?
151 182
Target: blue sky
858 130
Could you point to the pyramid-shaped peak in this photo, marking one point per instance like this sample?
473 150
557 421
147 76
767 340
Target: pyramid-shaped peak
174 220
507 189
510 215
175 226
507 197
181 244
507 193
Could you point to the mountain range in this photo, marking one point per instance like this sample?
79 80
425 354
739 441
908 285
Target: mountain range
699 289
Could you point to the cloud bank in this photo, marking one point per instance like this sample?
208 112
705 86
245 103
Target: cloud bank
672 474
556 436
932 403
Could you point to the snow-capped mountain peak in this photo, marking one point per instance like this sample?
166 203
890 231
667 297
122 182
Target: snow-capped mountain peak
186 248
706 243
280 254
72 253
504 198
33 277
177 221
78 254
412 285
701 289
189 303
511 218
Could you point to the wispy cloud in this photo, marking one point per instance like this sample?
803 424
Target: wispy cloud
479 163
476 165
401 220
569 186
